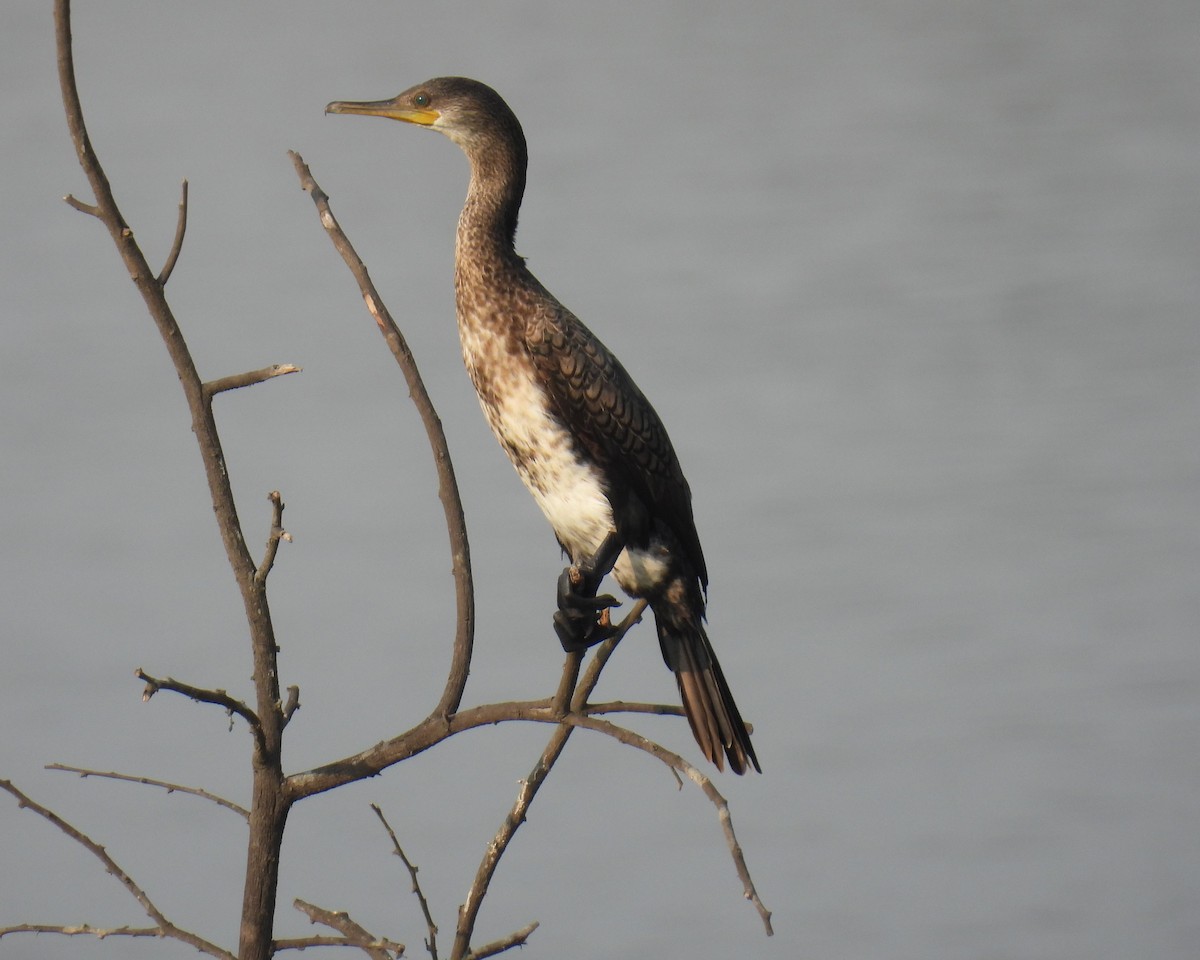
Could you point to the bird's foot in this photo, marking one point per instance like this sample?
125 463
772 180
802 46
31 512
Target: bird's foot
582 619
577 635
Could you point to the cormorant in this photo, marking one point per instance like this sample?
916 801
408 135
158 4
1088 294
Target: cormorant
583 437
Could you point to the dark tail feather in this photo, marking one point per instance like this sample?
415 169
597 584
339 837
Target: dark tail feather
711 711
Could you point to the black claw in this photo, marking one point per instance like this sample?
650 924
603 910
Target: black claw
576 621
576 634
593 604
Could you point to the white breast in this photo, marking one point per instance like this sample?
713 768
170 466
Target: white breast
565 487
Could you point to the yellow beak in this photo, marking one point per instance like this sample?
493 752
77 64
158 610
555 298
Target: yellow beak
392 109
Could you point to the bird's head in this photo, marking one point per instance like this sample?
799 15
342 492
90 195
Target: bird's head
467 111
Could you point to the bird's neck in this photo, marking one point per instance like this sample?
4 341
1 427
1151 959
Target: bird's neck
487 227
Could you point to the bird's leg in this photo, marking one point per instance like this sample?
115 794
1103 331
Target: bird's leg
582 619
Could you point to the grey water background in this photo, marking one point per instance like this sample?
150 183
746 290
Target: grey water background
913 284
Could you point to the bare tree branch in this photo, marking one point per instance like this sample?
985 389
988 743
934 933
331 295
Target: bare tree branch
293 703
200 695
431 943
567 683
572 694
304 943
238 380
268 560
625 706
469 911
434 729
165 927
269 806
677 763
460 550
177 244
106 210
604 651
151 782
82 929
355 935
90 209
516 939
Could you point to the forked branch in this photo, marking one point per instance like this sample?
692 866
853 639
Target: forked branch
269 807
163 926
571 696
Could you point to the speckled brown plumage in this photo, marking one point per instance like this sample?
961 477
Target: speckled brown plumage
583 437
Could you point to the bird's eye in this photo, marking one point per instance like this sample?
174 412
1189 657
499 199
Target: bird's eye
421 99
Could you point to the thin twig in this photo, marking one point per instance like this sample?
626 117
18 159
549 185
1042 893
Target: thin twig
277 534
304 943
431 943
177 244
200 695
293 702
625 706
238 380
151 782
516 939
82 929
90 209
677 763
460 550
356 935
469 911
166 927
